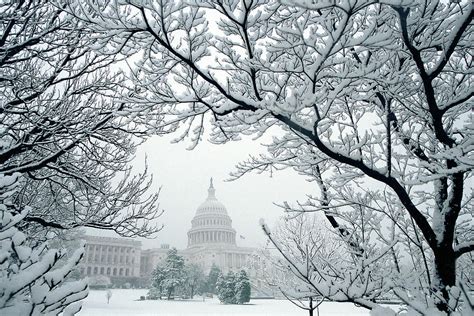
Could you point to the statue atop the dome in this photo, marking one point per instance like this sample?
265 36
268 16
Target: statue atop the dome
211 191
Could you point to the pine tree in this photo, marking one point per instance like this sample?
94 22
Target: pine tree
242 288
169 276
195 280
233 288
225 287
174 272
156 289
212 279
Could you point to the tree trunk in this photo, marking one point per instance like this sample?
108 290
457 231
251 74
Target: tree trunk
445 274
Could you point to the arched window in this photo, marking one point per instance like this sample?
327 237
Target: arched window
115 272
102 270
108 271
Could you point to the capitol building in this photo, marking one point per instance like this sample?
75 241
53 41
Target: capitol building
211 240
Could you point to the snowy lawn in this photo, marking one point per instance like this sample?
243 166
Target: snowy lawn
125 302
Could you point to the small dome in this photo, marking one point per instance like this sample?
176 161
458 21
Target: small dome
211 205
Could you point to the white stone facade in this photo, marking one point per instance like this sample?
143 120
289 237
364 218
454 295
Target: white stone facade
111 257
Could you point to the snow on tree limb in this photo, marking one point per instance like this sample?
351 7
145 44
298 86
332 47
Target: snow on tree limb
375 93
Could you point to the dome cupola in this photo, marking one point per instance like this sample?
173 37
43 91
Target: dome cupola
211 224
211 205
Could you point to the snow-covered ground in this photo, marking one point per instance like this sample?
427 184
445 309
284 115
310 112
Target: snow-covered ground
125 302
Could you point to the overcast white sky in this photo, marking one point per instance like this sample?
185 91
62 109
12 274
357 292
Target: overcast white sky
184 177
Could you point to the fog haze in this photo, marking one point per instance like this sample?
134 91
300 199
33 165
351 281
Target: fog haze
184 175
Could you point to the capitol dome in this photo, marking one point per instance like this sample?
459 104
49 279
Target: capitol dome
211 205
211 225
